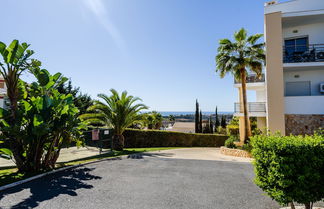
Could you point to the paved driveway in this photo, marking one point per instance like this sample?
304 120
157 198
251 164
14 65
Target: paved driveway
172 179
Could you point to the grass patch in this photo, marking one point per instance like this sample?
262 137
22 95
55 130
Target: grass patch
9 174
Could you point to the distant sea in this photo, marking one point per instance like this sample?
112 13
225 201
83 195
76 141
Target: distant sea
176 113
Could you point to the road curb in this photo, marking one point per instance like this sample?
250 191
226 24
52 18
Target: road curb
17 183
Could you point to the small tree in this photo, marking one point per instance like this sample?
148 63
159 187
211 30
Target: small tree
290 168
217 123
171 118
197 118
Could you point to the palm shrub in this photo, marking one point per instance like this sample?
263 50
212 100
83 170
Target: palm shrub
245 53
45 121
116 111
290 168
153 120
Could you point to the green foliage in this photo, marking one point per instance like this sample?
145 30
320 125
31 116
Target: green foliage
152 120
171 118
247 147
155 138
223 122
290 168
234 121
233 130
81 101
229 143
116 111
45 121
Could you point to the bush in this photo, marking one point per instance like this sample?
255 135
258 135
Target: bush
229 143
233 130
290 168
155 138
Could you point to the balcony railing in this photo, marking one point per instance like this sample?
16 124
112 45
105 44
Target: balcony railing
253 107
310 53
252 79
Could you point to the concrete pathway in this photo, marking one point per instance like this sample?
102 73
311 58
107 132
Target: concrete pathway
67 154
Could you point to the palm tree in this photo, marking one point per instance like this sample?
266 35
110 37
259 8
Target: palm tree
116 111
237 57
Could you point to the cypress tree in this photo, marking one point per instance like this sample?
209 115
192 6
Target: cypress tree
197 118
200 122
217 123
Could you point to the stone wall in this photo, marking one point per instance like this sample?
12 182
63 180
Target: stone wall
235 152
303 124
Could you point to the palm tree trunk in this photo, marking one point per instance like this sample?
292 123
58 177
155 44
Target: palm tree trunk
245 108
308 206
118 142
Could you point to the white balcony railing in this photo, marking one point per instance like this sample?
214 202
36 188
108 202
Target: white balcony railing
253 107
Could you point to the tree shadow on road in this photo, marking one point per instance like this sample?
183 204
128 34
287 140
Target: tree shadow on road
46 188
149 154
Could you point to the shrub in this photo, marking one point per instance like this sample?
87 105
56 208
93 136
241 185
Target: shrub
156 138
233 130
290 168
229 143
247 147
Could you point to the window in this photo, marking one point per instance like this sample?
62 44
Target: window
298 45
2 84
300 88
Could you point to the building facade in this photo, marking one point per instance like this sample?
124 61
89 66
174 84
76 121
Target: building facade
3 92
290 98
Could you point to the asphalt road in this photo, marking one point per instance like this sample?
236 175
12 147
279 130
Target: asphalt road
151 181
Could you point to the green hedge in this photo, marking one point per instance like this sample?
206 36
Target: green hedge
155 138
290 168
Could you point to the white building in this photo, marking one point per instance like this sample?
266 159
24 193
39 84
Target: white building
291 97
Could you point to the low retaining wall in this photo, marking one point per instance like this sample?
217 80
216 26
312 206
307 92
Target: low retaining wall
235 152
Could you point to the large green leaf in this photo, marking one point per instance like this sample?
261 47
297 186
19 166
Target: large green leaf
12 50
43 77
2 47
38 120
6 153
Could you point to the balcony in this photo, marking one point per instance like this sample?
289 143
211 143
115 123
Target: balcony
302 53
255 109
252 79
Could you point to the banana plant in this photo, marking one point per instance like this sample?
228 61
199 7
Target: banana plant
46 119
14 60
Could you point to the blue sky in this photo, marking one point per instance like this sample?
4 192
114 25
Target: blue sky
160 50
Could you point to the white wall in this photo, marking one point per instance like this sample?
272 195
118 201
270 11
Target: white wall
295 6
2 103
304 105
314 76
260 96
314 31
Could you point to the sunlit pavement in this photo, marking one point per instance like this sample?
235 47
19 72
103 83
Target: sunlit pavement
161 180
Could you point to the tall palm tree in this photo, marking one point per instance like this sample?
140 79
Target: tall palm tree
117 111
245 54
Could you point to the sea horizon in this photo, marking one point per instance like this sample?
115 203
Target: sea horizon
177 113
